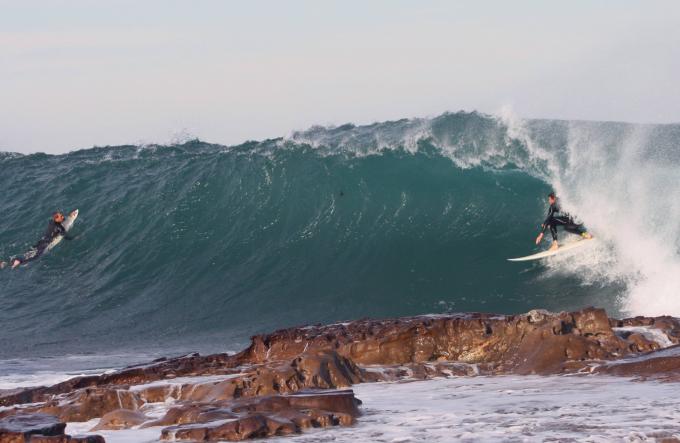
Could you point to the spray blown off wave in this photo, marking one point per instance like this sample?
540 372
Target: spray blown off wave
195 241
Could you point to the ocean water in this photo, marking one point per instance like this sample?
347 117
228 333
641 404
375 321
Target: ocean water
197 246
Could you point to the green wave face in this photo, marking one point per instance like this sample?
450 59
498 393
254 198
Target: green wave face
201 245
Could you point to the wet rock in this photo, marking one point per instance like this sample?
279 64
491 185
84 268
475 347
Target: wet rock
87 439
67 439
161 369
663 365
254 426
39 428
670 326
638 343
120 419
422 371
193 413
260 416
320 370
337 401
539 342
86 404
20 428
317 370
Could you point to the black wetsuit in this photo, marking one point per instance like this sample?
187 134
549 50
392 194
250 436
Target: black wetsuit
53 230
557 218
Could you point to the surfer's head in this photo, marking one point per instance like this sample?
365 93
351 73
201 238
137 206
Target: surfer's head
58 217
552 198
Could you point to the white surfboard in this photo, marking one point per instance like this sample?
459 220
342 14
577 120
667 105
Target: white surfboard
564 248
67 223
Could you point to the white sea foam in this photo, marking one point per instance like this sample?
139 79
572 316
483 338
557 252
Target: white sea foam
521 409
625 197
146 435
13 380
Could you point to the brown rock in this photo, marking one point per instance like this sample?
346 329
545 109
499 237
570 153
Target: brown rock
86 404
256 417
192 364
336 401
20 428
317 370
87 439
193 413
66 439
187 433
538 342
638 343
49 439
120 419
321 418
668 325
253 426
664 366
279 425
301 420
590 321
159 393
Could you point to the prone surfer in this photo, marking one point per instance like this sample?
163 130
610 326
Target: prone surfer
54 229
557 218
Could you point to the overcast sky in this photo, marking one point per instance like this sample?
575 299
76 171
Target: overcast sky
74 74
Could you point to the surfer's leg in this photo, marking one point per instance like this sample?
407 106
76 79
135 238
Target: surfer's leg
38 253
3 264
31 255
553 232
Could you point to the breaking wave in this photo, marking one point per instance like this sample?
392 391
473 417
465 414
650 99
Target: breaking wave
205 244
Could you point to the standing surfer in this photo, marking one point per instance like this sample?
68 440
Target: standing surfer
54 229
557 218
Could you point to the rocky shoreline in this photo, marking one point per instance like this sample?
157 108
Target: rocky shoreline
299 378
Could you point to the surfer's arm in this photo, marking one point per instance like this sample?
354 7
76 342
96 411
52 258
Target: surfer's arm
539 238
63 232
545 224
59 229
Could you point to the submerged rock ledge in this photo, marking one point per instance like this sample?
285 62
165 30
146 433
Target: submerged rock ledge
299 377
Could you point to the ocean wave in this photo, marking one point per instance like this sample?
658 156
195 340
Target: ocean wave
197 242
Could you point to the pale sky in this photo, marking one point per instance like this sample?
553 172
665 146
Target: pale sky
74 74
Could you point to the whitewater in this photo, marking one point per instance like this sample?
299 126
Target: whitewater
475 409
196 246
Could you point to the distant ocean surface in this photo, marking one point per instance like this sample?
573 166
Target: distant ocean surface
196 246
